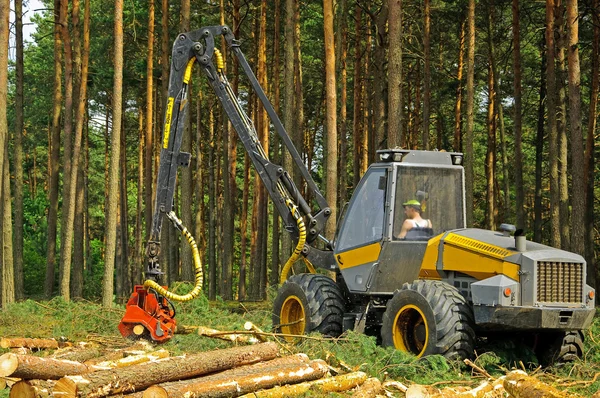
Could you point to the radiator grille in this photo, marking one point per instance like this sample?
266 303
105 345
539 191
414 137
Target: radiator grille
559 282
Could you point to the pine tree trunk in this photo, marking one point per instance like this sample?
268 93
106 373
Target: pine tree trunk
539 150
458 144
124 282
331 125
427 71
187 267
229 188
469 155
379 98
53 157
490 158
263 136
78 239
212 209
288 104
149 132
395 108
244 230
342 46
66 224
552 103
113 179
357 127
18 153
275 268
577 171
518 162
8 271
592 273
136 267
563 151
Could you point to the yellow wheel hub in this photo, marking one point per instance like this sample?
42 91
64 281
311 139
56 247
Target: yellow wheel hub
410 330
292 317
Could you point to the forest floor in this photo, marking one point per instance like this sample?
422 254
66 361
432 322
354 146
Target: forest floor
87 321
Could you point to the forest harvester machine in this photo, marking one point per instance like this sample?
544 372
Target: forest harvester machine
428 293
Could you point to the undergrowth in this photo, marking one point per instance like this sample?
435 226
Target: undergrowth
85 321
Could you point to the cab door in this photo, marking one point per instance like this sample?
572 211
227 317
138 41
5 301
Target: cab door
361 232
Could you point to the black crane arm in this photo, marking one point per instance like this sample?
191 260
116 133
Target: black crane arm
199 45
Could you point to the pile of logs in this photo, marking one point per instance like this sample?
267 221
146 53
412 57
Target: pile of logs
252 370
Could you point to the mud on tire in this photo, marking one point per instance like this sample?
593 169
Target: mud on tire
429 317
307 303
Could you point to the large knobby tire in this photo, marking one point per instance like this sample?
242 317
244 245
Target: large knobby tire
429 317
308 303
559 347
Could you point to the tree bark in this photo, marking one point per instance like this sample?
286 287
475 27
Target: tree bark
7 342
212 209
469 155
426 72
517 92
66 223
395 107
18 153
342 47
31 367
113 179
275 268
380 83
555 236
357 127
148 139
257 378
457 144
331 125
339 383
589 151
8 270
53 157
539 151
577 171
137 377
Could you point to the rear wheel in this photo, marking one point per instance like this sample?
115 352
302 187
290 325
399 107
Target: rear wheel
429 317
307 303
559 347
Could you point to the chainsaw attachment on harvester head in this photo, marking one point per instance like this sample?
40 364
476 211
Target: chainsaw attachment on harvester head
148 314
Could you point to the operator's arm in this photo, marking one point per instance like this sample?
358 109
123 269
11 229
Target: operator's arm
406 226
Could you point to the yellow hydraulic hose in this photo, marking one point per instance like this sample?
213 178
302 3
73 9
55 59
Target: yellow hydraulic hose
301 240
150 284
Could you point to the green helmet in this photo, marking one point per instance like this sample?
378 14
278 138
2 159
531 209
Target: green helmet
412 202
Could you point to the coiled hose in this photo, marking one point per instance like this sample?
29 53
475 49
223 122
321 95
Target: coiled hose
301 240
150 284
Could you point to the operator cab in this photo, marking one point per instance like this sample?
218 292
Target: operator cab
420 190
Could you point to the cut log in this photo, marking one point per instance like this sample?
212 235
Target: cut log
396 385
370 388
7 342
232 374
233 337
183 329
134 359
31 389
155 392
519 385
326 385
139 377
30 367
223 387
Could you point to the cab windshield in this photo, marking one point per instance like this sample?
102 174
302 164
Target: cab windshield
434 193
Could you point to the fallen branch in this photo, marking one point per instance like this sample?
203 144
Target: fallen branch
478 369
259 334
139 377
329 384
30 367
234 337
38 344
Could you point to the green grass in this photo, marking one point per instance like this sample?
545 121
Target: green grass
84 320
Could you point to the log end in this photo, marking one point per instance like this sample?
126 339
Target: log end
8 364
65 387
155 392
22 389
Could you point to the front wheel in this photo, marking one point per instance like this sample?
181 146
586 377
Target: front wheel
429 317
307 303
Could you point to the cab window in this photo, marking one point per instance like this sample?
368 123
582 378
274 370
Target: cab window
438 190
363 222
